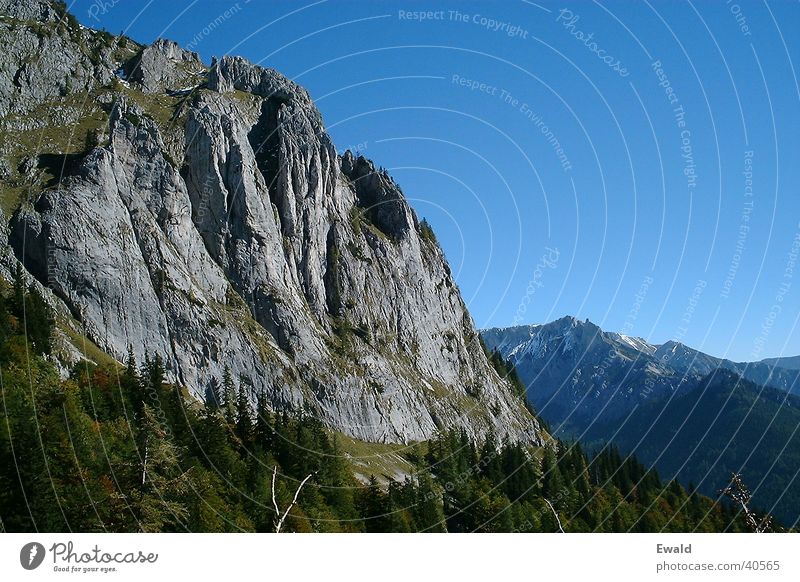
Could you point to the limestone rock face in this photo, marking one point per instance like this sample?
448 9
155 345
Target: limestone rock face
164 66
45 56
304 272
34 10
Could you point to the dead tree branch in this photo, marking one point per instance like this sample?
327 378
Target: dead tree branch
278 517
738 492
555 513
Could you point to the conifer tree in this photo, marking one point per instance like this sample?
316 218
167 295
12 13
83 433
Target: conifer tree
18 293
156 372
244 422
552 480
38 321
157 498
228 397
133 386
263 430
5 322
213 396
374 507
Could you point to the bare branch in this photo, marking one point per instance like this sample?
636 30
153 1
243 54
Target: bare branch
144 464
553 509
274 499
282 518
738 492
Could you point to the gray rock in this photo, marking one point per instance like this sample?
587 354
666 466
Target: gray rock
576 374
164 66
46 57
6 171
34 10
305 273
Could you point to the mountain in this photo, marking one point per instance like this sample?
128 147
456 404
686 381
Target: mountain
772 373
577 374
788 363
692 416
723 425
201 213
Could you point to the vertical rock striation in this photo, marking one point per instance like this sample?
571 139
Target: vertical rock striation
304 272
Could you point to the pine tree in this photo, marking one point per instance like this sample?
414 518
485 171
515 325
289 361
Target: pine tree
213 395
132 385
156 372
374 507
5 322
157 500
244 422
36 316
428 507
263 430
18 294
130 363
552 480
489 461
228 397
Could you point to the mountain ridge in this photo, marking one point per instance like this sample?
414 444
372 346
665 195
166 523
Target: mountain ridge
781 373
215 225
691 416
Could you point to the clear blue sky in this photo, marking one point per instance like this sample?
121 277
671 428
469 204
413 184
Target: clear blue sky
481 163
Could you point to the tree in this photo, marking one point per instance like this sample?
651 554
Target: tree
213 395
552 480
374 507
738 492
263 430
5 322
155 372
157 499
228 397
491 466
244 422
132 385
18 293
427 507
39 322
280 518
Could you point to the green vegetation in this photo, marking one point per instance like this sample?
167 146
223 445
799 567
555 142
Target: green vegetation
116 448
426 232
122 450
358 252
727 425
67 19
508 372
505 489
162 109
53 148
362 223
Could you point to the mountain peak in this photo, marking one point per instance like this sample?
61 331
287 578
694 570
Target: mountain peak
219 229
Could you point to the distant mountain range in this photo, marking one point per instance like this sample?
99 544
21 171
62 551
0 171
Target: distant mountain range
691 415
576 373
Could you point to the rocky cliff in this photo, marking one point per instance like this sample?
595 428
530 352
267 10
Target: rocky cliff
203 214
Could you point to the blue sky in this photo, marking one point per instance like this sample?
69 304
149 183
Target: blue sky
631 163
